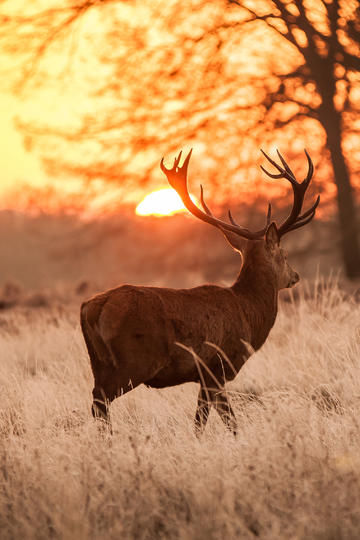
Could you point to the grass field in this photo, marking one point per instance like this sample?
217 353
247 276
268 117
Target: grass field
293 471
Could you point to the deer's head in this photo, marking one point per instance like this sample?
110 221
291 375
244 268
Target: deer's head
260 247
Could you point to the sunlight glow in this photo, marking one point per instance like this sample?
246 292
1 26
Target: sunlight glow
163 202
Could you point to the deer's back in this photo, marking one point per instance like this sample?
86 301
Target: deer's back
159 317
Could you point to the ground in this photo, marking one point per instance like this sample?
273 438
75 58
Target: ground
292 472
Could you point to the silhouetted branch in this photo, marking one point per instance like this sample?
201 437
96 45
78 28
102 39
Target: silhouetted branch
40 30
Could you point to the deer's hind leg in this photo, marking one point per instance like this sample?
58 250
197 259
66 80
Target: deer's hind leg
216 397
101 394
222 406
96 349
202 410
105 374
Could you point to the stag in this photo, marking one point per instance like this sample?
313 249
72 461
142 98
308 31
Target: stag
156 336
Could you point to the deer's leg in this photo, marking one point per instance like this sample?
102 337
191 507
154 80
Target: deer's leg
110 383
222 406
100 404
99 408
202 410
104 393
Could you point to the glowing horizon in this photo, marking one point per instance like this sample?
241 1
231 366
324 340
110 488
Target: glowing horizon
160 203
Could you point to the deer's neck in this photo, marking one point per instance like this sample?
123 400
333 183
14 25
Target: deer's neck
257 292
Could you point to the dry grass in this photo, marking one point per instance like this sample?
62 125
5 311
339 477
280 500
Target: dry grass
293 472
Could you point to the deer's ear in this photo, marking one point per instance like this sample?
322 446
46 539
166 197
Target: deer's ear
272 236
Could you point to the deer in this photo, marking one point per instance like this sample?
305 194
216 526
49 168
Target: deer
163 337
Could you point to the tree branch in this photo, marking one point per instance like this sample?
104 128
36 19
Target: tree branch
47 26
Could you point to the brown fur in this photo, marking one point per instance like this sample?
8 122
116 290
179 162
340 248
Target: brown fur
133 333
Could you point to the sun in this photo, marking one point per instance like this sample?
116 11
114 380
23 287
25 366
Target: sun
162 202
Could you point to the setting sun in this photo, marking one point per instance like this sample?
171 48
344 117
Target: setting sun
163 202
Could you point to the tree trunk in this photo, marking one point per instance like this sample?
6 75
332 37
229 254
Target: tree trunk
349 229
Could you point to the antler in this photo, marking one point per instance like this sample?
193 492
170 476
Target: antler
177 178
294 219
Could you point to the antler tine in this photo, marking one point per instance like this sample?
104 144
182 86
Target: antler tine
177 159
311 168
268 217
285 172
231 218
203 203
276 165
272 175
294 220
306 216
177 178
311 210
286 167
300 223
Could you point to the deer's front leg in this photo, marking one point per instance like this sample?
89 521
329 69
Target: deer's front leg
202 411
222 406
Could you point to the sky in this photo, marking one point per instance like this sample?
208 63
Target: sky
19 166
16 164
63 102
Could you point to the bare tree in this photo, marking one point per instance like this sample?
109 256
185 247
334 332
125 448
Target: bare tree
150 73
326 34
161 74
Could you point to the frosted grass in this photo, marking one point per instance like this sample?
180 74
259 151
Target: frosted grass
292 472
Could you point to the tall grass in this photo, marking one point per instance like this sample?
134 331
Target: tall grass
292 472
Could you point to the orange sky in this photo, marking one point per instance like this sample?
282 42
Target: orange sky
58 105
16 164
19 166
